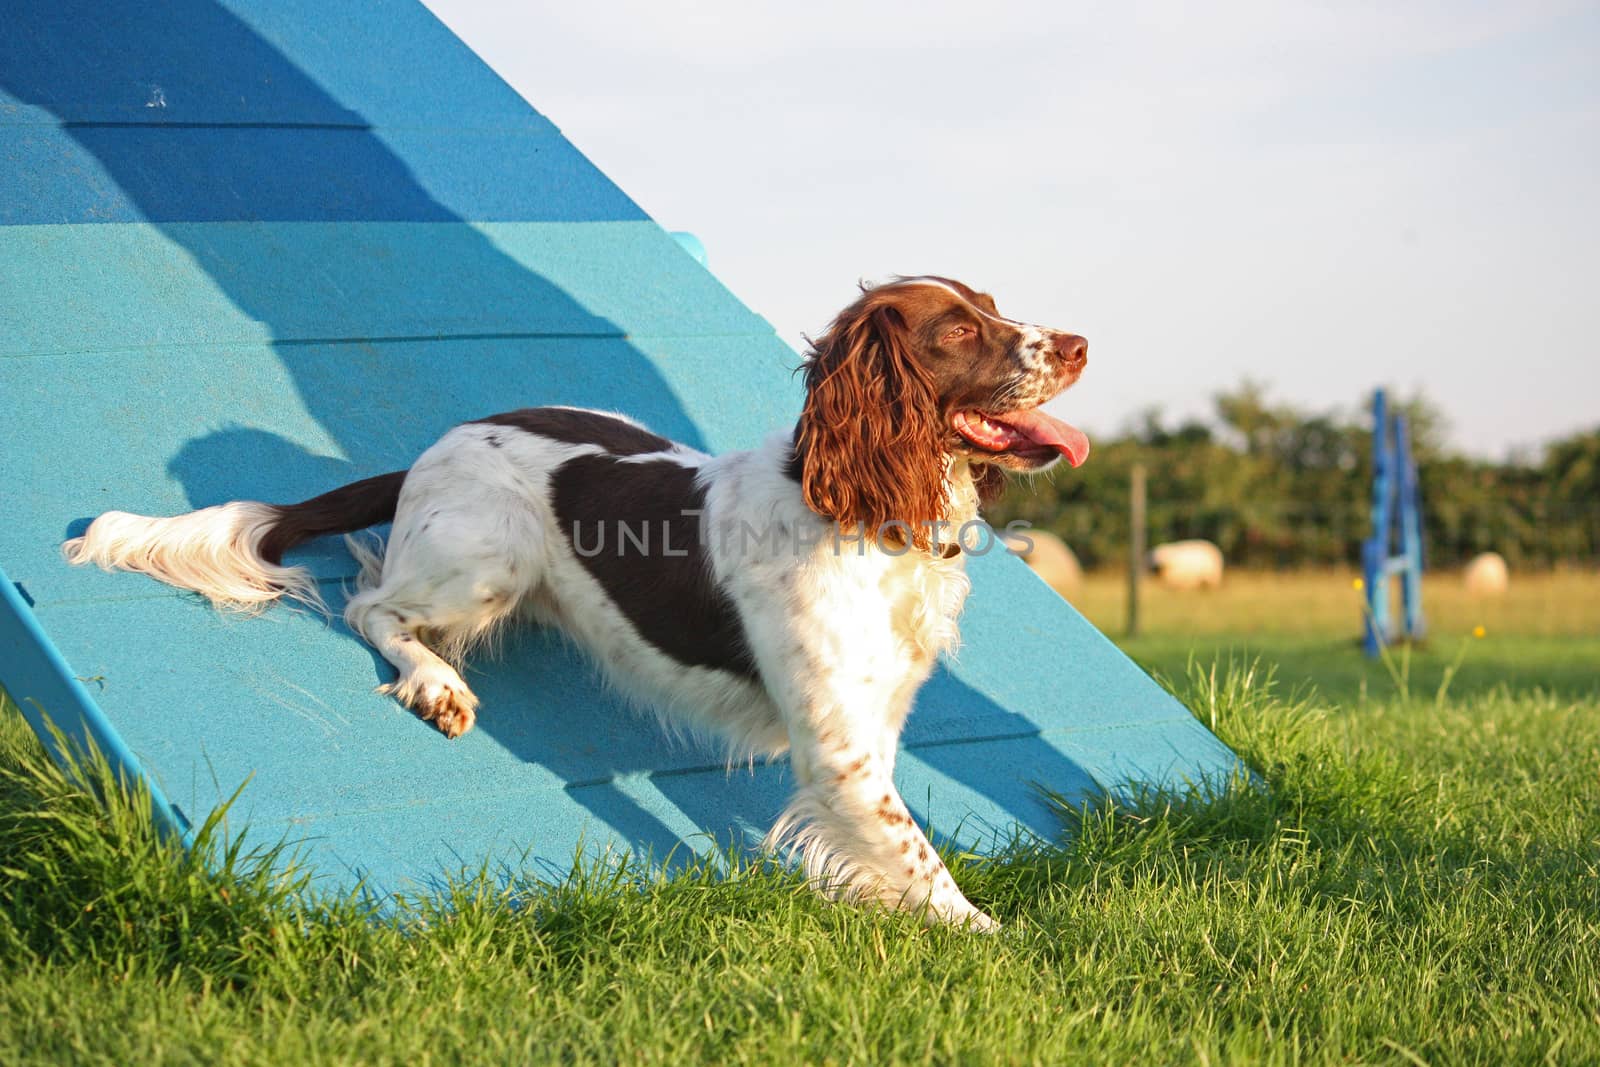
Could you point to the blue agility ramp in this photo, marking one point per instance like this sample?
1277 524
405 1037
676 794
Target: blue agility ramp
261 248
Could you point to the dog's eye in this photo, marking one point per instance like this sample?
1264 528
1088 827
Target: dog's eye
959 333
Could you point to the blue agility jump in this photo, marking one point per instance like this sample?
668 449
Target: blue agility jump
1396 523
256 249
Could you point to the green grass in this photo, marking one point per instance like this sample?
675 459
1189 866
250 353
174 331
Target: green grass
1414 883
1568 666
1544 634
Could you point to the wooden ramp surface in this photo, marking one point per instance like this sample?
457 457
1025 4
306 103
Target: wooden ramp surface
259 248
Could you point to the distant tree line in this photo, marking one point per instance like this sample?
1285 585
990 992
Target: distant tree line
1275 486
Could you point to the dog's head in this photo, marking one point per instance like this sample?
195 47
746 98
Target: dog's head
918 371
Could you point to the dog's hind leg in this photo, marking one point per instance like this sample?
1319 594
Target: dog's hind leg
457 568
427 684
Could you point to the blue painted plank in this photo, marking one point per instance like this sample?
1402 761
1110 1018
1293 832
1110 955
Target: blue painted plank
312 730
290 698
161 431
286 701
243 174
248 688
682 816
212 438
329 62
96 288
1009 608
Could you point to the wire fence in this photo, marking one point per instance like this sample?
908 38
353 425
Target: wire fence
1287 534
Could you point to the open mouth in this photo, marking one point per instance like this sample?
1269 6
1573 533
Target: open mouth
1026 432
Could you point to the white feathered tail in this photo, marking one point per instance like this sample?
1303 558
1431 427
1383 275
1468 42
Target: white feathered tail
232 554
215 551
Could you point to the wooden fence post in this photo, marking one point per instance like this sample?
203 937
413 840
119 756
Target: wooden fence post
1136 546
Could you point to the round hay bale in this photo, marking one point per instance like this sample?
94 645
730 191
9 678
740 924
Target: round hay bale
1487 575
1187 564
1050 559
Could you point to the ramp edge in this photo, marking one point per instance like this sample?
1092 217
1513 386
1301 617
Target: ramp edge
44 688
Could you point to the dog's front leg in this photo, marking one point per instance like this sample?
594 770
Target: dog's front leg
853 831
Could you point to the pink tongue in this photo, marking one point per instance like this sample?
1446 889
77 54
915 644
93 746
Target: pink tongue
1041 429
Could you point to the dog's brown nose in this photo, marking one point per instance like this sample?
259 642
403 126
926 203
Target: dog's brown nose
1072 350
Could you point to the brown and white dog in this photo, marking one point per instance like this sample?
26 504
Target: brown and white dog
791 599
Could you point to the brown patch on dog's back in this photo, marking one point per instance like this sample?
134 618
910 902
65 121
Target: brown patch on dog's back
617 436
661 582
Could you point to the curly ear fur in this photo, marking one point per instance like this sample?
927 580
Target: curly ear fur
870 440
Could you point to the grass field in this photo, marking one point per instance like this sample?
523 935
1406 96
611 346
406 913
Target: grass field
1417 880
1544 634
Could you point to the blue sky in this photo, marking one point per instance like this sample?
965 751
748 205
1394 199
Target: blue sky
1322 197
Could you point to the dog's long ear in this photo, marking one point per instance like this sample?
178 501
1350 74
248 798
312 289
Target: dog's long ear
870 440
